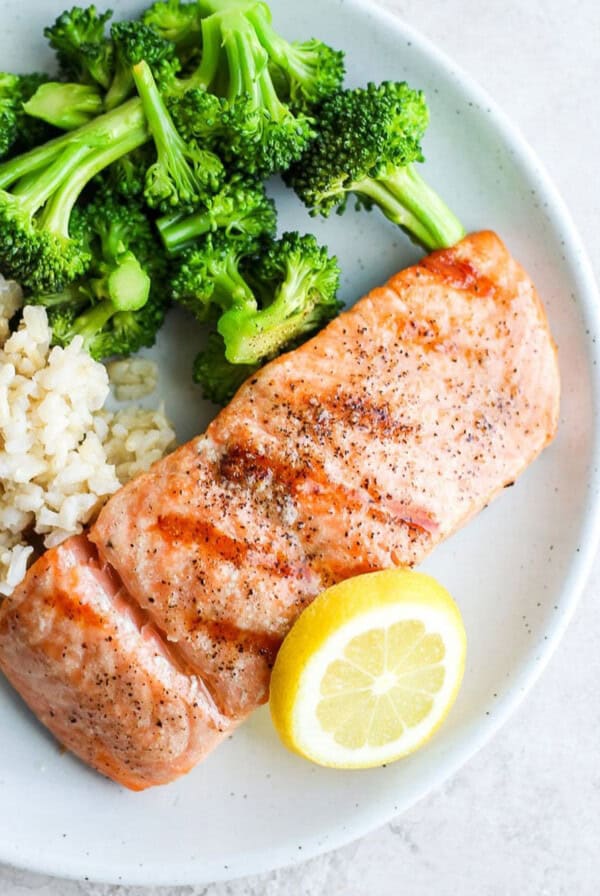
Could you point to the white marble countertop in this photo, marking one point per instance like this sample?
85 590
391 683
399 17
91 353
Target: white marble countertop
523 817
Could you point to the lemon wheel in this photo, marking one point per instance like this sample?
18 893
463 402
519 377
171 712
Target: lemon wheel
370 670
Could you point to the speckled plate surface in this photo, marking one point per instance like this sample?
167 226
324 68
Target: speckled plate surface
516 571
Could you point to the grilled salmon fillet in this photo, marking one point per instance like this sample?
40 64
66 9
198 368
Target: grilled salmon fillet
360 450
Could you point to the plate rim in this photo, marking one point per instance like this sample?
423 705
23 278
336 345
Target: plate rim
588 302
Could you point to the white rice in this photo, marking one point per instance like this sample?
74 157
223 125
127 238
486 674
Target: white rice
132 378
61 453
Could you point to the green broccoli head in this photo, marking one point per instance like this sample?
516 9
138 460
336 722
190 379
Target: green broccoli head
184 174
200 116
84 53
312 70
262 133
18 131
105 330
133 42
126 258
41 244
241 209
120 303
361 133
209 277
119 226
298 283
38 256
219 378
176 22
367 143
127 176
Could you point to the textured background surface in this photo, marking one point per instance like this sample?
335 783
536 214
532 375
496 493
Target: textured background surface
523 817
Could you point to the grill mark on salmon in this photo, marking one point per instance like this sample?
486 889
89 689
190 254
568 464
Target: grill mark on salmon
207 537
359 451
262 643
311 486
459 273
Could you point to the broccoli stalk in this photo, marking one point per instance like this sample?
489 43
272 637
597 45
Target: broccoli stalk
303 280
66 106
314 71
367 144
102 131
240 209
408 201
37 245
184 173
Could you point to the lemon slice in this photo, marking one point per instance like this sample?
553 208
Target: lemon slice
369 671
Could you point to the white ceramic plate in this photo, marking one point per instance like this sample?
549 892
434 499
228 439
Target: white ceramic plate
516 571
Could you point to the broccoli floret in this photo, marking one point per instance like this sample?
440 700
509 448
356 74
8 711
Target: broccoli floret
241 208
125 255
127 177
40 245
200 116
310 69
66 106
219 378
134 42
264 135
209 278
184 174
266 300
367 142
105 329
119 305
177 22
18 132
299 282
84 52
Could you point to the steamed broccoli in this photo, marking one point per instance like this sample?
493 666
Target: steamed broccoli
367 142
106 328
313 70
127 176
177 22
39 244
298 281
84 52
184 174
200 116
66 106
240 208
18 132
264 135
134 42
285 293
118 306
219 378
209 278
